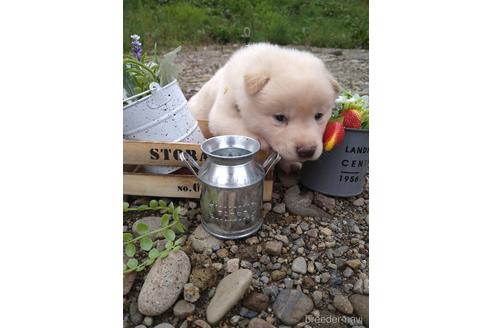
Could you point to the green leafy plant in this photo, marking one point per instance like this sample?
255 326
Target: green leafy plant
139 248
139 72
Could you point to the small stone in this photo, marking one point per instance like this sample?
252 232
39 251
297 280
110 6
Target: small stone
304 226
148 321
299 265
324 201
277 275
222 253
354 264
358 202
135 316
279 208
128 280
164 283
348 272
273 247
360 304
317 297
217 266
326 231
341 250
203 278
235 319
267 207
191 293
245 313
308 282
366 286
259 323
229 291
264 280
246 264
313 233
252 240
234 249
342 304
164 325
283 239
192 204
202 240
291 306
257 302
201 324
232 265
301 204
271 291
182 309
358 287
299 242
311 268
300 251
289 283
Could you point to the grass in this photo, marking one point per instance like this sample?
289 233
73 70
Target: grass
320 23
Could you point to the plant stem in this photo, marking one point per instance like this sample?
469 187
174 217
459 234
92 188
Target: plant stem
150 233
147 209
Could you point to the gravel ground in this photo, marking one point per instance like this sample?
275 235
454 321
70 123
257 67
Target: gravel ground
349 66
305 271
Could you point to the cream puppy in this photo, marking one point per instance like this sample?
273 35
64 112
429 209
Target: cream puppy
280 96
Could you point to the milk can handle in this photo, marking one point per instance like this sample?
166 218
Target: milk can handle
271 160
190 162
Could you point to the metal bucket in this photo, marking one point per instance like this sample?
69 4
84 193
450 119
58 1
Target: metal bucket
161 116
340 172
231 185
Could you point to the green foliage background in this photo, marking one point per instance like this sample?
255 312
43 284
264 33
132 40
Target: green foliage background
329 23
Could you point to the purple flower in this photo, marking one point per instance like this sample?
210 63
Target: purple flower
136 46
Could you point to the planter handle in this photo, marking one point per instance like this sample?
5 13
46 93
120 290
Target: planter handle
271 160
190 162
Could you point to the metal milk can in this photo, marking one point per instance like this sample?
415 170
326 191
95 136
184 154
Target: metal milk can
231 185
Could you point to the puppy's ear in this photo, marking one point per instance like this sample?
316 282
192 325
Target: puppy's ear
255 83
335 86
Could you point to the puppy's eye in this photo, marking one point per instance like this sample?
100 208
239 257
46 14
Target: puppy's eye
318 116
280 118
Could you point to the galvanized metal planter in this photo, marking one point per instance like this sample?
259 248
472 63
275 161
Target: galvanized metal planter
160 114
340 172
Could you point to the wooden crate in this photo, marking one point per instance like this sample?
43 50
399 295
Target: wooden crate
181 183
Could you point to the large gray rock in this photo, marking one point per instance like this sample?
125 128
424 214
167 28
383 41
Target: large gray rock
291 306
299 265
228 293
164 283
202 240
302 204
360 303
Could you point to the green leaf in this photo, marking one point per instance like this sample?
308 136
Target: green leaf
132 263
140 268
127 237
142 228
169 245
153 204
125 206
154 253
165 220
176 213
168 70
170 208
169 235
179 241
162 203
143 207
125 267
180 227
146 243
165 253
177 248
130 250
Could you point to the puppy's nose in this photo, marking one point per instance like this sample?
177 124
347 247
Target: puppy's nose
305 152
